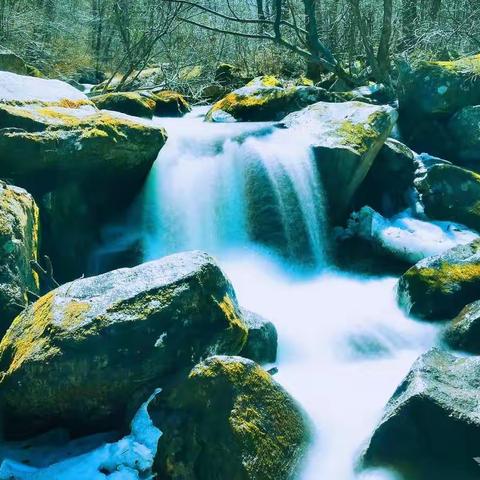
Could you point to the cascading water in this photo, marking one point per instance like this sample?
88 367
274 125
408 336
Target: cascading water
249 194
217 187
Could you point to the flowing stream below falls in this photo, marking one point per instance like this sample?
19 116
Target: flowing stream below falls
344 345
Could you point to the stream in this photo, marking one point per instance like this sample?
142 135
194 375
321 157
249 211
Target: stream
344 345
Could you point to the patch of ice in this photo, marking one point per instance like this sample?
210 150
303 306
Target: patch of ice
131 458
405 237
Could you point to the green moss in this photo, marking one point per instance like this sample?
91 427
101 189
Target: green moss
360 137
265 424
32 339
446 277
170 103
130 103
463 65
265 81
74 313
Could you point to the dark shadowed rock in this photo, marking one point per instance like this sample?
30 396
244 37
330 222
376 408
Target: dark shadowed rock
76 357
451 193
432 421
387 186
19 238
463 333
170 104
132 103
464 127
262 340
438 287
229 420
439 88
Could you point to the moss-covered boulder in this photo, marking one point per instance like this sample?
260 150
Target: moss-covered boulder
439 88
431 425
388 185
81 164
262 341
438 287
346 138
464 127
137 104
463 332
265 99
429 94
19 236
76 357
229 419
11 62
451 193
170 104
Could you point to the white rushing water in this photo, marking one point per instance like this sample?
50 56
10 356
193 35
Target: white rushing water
343 343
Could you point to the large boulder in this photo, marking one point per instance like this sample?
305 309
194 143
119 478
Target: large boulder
170 104
389 182
346 138
265 99
431 425
229 420
429 94
464 127
11 62
137 104
451 193
439 88
262 341
81 164
76 357
438 287
19 235
463 332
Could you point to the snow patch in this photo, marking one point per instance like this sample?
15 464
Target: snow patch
131 458
405 237
21 88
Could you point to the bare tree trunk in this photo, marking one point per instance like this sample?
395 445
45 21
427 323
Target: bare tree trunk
261 16
435 9
383 55
409 19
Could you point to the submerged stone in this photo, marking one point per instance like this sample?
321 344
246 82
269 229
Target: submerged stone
229 420
76 357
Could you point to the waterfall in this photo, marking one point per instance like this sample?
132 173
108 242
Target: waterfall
250 194
217 187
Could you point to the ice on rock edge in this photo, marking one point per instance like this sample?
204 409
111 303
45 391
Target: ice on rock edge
131 458
405 237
